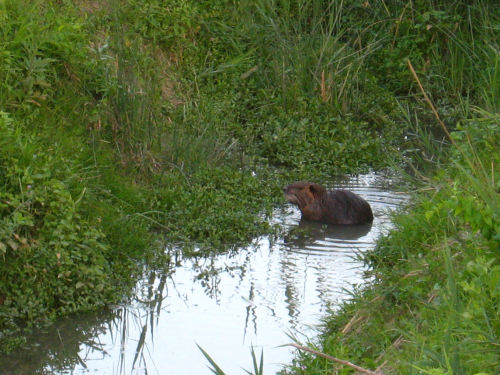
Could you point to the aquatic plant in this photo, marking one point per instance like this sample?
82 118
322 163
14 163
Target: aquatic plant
258 366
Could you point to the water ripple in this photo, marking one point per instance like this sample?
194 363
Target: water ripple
226 303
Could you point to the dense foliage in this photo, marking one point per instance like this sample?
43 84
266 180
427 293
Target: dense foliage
123 122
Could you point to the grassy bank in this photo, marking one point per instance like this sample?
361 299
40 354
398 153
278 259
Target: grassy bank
432 307
433 304
98 170
69 239
126 125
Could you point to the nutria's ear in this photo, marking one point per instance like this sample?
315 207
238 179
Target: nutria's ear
316 189
313 188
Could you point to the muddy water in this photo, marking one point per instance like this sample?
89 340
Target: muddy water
226 304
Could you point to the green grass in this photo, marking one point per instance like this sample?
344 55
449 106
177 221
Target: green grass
433 305
127 125
258 366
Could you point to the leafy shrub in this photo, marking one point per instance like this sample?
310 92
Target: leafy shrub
52 259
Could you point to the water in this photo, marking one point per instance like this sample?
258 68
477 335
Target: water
228 303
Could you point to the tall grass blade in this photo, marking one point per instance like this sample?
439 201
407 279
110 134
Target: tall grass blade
215 368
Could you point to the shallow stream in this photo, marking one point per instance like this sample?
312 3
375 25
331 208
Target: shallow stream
257 296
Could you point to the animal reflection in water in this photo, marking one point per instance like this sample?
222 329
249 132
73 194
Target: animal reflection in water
309 232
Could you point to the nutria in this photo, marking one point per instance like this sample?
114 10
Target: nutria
331 207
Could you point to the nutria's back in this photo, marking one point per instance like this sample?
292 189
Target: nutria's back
332 207
345 207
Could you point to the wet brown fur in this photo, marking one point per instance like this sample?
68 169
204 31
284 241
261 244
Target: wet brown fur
328 206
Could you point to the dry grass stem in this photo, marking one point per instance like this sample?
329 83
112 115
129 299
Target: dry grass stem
434 110
337 360
354 320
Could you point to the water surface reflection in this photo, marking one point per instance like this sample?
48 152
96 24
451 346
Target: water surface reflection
225 303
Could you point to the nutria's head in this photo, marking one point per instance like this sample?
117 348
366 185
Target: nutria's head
303 193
